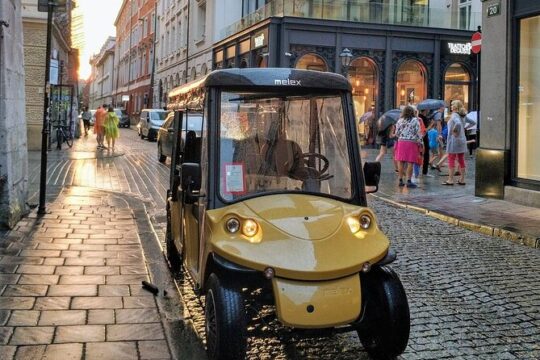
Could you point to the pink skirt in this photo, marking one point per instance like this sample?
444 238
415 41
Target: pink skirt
407 151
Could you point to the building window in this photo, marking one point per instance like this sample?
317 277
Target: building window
457 83
364 81
465 14
411 83
528 127
311 62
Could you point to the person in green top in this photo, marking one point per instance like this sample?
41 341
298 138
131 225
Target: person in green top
111 127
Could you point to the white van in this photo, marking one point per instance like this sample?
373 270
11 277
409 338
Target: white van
150 122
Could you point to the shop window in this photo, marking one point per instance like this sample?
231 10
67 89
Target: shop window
311 62
364 81
528 93
457 84
411 83
262 61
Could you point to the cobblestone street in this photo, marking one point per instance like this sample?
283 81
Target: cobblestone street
70 282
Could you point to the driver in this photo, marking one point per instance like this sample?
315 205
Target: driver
281 157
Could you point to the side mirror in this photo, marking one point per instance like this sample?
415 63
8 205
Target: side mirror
191 182
372 175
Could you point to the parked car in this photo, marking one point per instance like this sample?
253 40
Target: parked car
123 117
150 122
165 137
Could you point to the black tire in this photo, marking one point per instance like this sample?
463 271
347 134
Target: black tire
161 158
175 259
385 323
69 140
225 321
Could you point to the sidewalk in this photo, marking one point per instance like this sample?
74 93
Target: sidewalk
458 205
70 283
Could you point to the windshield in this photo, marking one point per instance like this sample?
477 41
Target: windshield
279 143
158 115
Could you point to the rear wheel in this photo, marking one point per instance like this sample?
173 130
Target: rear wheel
225 321
161 157
385 322
69 140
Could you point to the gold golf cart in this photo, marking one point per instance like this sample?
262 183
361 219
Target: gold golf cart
268 198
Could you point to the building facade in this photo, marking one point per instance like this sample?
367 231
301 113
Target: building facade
64 65
13 143
102 76
400 53
133 55
183 44
508 165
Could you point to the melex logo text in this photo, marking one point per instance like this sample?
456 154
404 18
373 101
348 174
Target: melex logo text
288 82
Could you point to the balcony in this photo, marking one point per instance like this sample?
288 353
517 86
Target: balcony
357 11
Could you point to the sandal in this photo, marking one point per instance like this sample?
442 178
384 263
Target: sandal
447 183
461 183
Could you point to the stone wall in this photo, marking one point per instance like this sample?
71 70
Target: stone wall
13 139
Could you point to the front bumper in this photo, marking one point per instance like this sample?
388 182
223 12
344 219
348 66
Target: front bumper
317 304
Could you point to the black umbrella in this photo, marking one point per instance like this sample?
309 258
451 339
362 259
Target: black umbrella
388 118
430 104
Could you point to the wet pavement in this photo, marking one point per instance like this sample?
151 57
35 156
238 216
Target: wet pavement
70 281
458 205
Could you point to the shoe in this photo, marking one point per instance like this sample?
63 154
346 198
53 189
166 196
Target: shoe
401 183
411 185
414 179
447 183
461 183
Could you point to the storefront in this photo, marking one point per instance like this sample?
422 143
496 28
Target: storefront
390 65
508 165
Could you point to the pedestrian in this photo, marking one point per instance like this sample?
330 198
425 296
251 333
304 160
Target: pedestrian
86 117
420 159
427 125
433 145
456 142
409 140
100 115
385 140
110 127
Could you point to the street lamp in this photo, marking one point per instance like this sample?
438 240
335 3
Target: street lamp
346 58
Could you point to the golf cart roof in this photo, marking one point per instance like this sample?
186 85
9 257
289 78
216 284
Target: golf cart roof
270 79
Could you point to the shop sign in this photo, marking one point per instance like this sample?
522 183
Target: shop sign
125 97
459 48
259 40
494 10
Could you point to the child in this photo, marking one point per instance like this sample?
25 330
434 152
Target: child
433 146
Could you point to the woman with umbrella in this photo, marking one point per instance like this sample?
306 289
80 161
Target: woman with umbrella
386 133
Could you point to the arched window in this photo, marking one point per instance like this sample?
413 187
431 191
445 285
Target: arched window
365 85
193 74
411 83
204 69
311 62
457 84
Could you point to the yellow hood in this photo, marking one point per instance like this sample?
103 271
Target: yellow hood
321 247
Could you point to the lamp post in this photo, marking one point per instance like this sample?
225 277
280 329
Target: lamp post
45 130
346 58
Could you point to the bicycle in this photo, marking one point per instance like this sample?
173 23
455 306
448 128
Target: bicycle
63 134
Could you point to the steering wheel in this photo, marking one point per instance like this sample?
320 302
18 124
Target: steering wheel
326 163
310 173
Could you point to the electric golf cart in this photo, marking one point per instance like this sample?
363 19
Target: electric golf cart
267 203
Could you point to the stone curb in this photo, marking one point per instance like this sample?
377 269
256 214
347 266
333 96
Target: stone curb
515 237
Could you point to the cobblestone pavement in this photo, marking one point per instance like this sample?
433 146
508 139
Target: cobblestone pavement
71 289
472 296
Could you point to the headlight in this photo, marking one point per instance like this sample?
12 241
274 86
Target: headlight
232 225
365 221
250 228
